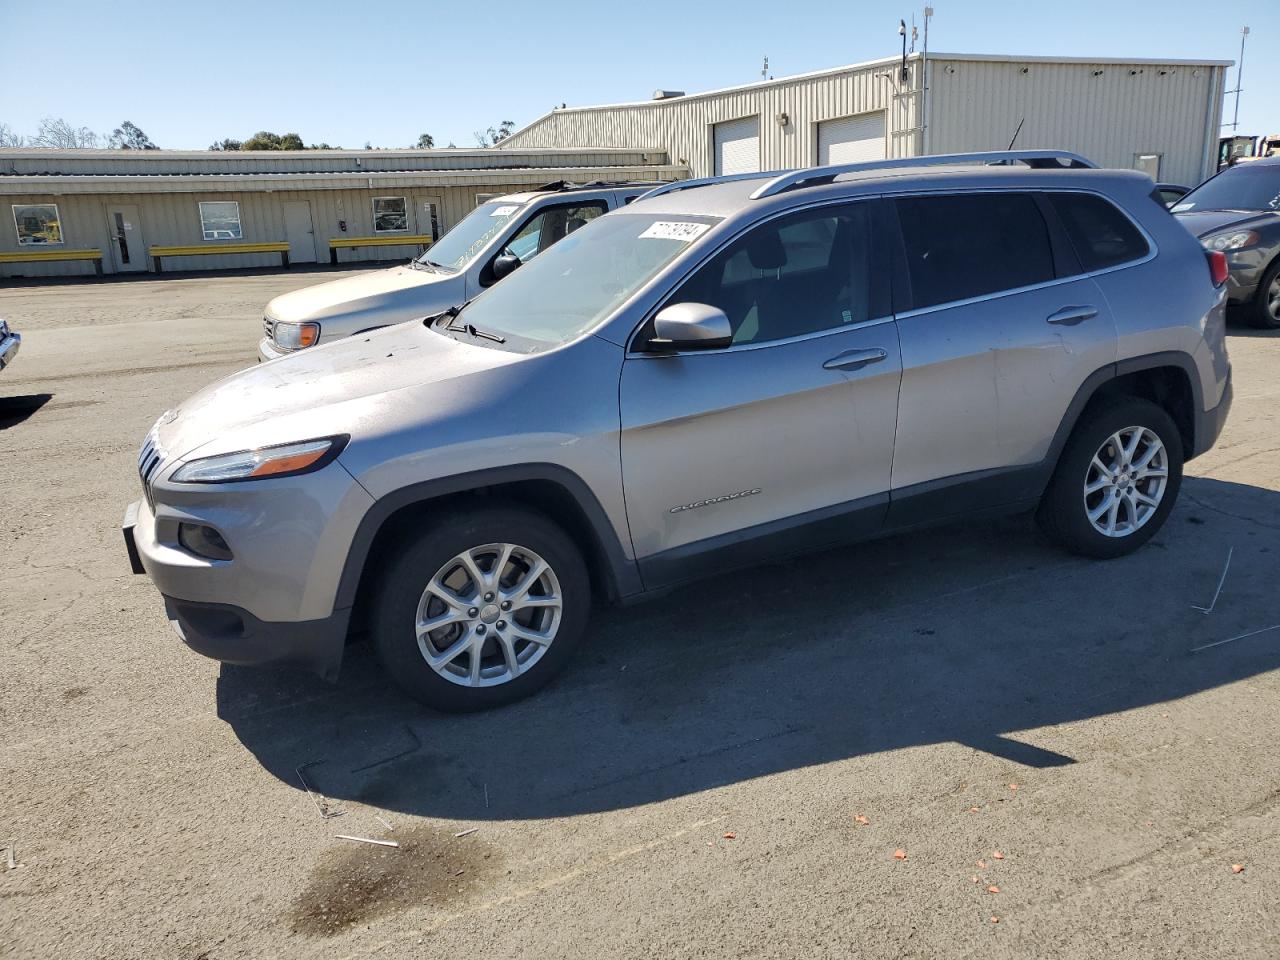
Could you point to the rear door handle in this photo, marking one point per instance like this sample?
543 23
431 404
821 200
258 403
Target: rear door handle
1070 316
855 359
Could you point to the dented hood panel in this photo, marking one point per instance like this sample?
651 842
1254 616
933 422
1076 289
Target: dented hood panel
330 389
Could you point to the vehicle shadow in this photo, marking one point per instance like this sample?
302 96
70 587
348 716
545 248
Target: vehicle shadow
969 634
14 410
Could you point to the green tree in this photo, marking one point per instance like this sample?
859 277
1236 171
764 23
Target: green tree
227 144
426 141
495 135
129 137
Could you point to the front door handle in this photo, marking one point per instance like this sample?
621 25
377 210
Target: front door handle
1070 316
855 359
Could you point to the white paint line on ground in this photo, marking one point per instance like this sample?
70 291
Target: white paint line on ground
1243 636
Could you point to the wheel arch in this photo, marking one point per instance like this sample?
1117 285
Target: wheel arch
552 490
1169 379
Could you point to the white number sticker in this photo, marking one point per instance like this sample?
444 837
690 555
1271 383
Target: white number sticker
504 211
675 230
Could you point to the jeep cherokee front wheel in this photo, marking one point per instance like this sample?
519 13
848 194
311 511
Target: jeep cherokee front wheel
1116 481
481 609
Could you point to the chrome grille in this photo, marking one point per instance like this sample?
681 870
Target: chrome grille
149 460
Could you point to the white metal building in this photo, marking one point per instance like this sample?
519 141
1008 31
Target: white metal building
1161 116
73 212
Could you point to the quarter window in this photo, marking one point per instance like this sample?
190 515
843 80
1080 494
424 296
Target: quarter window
971 245
1101 235
390 215
220 220
37 224
799 274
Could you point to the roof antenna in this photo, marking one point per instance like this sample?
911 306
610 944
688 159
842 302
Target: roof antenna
1016 132
764 70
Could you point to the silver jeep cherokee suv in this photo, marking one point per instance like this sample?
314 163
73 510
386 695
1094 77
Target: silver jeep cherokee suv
483 247
722 372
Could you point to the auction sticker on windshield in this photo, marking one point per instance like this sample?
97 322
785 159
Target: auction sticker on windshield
504 211
675 230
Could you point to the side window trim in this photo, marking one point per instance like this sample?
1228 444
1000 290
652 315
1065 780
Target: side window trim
913 311
874 300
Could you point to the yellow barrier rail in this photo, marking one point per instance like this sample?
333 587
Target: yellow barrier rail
421 240
218 249
39 256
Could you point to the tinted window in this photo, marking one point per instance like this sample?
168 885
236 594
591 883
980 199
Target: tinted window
795 275
1246 186
1101 234
968 245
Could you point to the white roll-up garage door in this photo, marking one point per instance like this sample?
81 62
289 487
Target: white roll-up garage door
851 139
737 146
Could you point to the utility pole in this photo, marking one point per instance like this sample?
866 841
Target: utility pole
924 85
1235 120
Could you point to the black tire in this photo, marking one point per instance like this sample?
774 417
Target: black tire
1062 514
418 558
1258 311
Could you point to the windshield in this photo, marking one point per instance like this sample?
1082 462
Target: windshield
1246 186
456 248
577 283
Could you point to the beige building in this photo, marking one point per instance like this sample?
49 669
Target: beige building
69 212
1161 116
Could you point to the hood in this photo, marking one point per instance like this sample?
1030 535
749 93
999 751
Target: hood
405 291
326 390
1202 223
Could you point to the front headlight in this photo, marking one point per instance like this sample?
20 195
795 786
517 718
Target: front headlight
285 460
295 336
1230 241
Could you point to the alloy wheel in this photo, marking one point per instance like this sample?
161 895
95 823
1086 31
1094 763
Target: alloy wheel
489 614
1273 298
1126 481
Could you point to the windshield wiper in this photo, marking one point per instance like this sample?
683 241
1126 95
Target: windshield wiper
483 334
468 328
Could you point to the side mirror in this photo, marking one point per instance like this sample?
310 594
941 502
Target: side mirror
504 265
690 326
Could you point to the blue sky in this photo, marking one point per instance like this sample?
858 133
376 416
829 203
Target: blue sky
347 73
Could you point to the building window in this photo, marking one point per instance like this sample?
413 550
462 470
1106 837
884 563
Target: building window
220 220
390 215
37 223
1148 163
484 198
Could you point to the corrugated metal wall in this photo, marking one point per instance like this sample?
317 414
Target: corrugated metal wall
115 162
1106 111
682 126
168 210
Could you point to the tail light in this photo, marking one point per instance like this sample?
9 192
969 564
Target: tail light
1218 269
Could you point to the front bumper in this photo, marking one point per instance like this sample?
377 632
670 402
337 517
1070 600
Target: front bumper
231 634
267 350
9 349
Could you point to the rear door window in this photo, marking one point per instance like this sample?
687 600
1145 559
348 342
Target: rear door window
960 246
1101 235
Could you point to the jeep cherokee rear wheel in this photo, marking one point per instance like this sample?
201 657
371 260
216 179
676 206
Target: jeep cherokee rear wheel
1116 481
481 609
